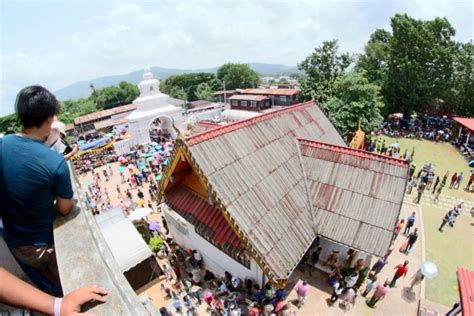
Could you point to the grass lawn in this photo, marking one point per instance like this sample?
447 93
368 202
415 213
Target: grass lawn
454 246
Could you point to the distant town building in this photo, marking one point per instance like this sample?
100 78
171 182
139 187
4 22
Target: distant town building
223 96
249 102
283 97
85 125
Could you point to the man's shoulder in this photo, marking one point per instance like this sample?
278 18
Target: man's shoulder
36 150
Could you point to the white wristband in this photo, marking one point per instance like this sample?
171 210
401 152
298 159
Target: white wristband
57 306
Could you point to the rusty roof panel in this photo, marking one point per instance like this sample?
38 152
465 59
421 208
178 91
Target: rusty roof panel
356 195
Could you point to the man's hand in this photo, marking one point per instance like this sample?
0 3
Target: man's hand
71 303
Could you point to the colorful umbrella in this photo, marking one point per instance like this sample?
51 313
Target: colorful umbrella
155 154
150 159
158 147
159 177
154 226
142 165
166 162
122 169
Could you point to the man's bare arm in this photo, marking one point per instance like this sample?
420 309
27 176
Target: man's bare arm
64 206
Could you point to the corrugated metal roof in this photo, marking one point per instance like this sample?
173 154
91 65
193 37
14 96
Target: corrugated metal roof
467 122
356 195
248 97
104 113
466 289
108 123
206 218
254 168
271 91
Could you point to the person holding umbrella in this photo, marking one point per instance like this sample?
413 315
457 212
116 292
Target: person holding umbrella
417 278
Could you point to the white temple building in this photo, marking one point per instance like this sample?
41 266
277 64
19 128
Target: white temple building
151 105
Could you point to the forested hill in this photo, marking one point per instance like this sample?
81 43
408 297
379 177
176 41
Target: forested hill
82 89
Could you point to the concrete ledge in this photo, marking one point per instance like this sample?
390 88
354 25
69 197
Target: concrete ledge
84 258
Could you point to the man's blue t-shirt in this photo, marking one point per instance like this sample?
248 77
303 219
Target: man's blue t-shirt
34 176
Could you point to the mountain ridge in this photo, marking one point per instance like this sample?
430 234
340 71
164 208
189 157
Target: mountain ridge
81 89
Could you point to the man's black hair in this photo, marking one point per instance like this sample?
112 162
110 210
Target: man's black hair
34 105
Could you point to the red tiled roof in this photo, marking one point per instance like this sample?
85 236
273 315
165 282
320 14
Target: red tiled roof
204 216
467 122
104 113
354 152
248 97
201 137
466 289
69 127
271 91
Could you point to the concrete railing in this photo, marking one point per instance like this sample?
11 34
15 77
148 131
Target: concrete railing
84 258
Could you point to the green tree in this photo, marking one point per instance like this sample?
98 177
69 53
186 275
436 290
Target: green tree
204 92
178 93
355 98
215 85
322 68
113 96
421 64
9 123
238 76
463 96
187 83
374 61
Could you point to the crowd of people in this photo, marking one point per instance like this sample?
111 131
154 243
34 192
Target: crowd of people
430 128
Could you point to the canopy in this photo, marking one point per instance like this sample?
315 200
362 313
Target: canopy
467 122
126 244
466 290
95 143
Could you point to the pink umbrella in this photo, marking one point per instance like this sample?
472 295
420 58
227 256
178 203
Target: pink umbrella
156 154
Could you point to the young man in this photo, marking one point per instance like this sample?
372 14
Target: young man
410 222
35 187
411 240
401 271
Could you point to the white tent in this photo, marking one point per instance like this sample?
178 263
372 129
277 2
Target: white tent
125 242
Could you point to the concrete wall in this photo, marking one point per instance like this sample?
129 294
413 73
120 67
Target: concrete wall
214 259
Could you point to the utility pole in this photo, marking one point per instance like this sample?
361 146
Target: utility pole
225 95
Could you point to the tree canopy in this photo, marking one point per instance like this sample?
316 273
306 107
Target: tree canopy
354 99
417 66
238 76
322 68
204 92
175 85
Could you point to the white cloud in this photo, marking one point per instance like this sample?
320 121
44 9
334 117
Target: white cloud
208 33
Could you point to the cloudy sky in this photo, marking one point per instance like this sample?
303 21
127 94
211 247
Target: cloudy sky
60 42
